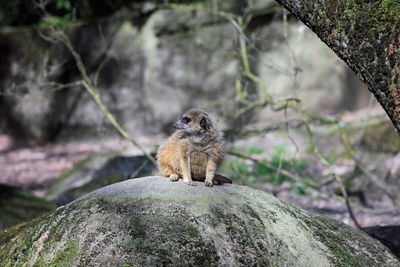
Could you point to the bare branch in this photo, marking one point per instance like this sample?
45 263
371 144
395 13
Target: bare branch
58 86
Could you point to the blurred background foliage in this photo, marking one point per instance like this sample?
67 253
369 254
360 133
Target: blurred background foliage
26 12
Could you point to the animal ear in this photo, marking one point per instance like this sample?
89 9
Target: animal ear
205 123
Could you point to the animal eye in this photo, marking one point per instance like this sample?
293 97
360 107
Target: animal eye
186 120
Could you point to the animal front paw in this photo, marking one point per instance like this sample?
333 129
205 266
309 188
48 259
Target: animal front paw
191 183
209 183
174 177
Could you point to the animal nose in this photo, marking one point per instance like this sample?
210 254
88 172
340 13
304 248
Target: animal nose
175 125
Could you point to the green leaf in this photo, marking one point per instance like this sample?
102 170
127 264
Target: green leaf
57 20
299 164
251 150
302 190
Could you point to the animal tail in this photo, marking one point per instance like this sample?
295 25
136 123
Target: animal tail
222 179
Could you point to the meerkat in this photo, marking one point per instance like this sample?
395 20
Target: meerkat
194 151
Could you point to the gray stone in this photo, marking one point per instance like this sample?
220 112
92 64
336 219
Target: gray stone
153 222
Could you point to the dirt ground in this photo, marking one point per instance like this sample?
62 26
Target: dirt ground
34 167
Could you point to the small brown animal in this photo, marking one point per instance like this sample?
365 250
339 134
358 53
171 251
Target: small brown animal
194 151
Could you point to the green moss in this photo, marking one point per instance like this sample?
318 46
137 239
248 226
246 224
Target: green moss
173 233
161 235
192 230
335 236
389 10
247 209
238 229
129 263
18 254
41 260
384 14
7 234
137 228
66 255
36 240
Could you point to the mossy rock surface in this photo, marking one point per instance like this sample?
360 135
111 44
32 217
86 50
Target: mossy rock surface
17 206
153 222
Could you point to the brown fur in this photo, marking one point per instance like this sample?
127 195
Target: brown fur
194 151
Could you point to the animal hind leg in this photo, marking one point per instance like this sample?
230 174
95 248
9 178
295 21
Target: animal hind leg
168 171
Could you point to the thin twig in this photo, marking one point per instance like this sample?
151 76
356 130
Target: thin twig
278 171
58 86
96 75
346 199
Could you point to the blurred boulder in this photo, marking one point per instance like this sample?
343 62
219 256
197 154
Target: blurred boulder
23 105
17 206
389 235
381 136
174 59
375 135
95 172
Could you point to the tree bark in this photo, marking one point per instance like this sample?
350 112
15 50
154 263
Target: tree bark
366 35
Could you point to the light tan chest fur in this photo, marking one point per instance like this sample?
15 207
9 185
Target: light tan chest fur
178 149
198 164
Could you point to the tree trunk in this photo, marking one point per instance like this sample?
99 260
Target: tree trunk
366 35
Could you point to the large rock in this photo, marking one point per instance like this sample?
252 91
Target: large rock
380 136
154 222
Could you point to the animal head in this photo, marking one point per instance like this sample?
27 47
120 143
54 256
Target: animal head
194 121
